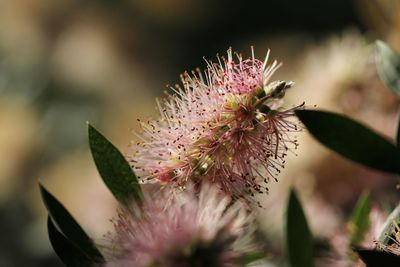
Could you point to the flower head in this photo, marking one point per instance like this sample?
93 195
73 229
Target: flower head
391 241
204 230
224 126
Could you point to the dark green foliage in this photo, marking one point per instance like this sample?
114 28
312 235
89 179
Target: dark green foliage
68 253
299 240
113 168
376 258
351 140
69 227
73 246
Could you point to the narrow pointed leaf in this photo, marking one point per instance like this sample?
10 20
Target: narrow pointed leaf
389 227
68 253
388 65
360 219
69 227
376 258
113 168
299 240
351 140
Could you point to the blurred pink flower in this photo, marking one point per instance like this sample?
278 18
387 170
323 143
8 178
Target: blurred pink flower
224 126
393 248
191 230
394 237
342 254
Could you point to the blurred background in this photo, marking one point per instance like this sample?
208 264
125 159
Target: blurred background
66 62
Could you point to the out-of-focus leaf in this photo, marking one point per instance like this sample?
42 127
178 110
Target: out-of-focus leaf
389 227
351 140
388 65
299 240
69 227
360 219
113 168
398 131
68 253
376 258
249 258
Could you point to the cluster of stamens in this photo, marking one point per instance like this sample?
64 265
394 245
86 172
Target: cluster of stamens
224 126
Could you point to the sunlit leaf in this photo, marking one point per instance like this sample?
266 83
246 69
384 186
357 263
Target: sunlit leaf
351 140
69 227
299 240
388 65
113 168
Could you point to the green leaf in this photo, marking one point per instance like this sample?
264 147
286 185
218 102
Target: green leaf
70 228
376 258
113 168
299 240
360 219
351 140
250 258
388 65
68 253
389 227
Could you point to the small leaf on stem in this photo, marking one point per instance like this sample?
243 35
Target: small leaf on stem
113 168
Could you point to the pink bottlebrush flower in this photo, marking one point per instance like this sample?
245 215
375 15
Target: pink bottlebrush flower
394 247
224 126
191 230
394 239
245 76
